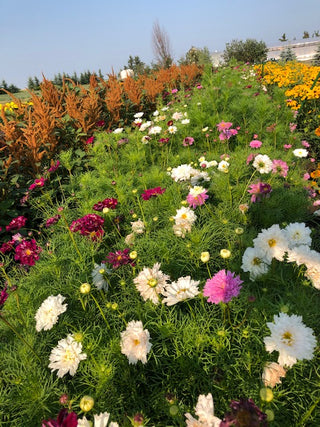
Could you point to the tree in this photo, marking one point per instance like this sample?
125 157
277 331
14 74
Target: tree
305 35
283 38
161 46
287 55
250 51
316 58
197 56
135 64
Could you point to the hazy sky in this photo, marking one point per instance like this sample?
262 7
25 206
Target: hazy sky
52 36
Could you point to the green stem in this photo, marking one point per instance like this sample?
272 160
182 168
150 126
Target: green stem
19 336
71 236
210 275
100 309
248 183
141 210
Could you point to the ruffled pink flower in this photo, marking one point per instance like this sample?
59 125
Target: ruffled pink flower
164 140
222 287
90 140
280 167
222 126
292 127
195 200
64 419
89 225
255 144
54 167
27 252
17 223
188 140
306 176
250 158
305 144
259 190
174 91
7 247
287 146
152 192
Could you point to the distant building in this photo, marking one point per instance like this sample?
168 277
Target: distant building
304 49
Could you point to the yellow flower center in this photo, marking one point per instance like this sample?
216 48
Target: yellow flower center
28 252
184 216
256 261
272 242
152 282
287 338
136 341
69 356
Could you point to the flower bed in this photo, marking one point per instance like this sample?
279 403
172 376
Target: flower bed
171 283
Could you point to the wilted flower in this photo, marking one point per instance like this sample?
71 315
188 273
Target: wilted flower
135 342
244 413
272 373
222 287
138 227
98 274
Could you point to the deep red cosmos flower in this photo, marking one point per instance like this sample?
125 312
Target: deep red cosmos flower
119 258
89 225
110 203
27 252
17 223
152 192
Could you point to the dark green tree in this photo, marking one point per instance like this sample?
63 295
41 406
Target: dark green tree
287 55
249 50
306 35
197 56
30 83
135 64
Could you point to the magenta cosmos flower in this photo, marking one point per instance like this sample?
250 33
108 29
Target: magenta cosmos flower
222 287
89 225
152 192
197 197
64 419
39 182
222 126
17 223
27 252
188 140
109 203
119 258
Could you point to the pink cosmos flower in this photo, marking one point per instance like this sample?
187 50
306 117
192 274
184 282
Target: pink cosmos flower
3 296
39 182
164 140
259 190
27 252
119 258
152 192
255 144
250 158
197 197
188 140
255 136
174 91
89 225
306 176
287 146
222 126
280 167
17 223
292 127
305 144
222 287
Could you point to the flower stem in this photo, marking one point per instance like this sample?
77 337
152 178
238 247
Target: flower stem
71 236
19 336
100 309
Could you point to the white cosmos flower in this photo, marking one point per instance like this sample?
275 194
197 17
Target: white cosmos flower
263 163
272 242
182 172
185 215
154 130
66 356
138 227
185 121
223 166
49 311
118 130
184 288
172 129
156 113
291 338
100 420
205 164
205 413
98 276
300 152
150 283
199 176
313 274
297 234
254 262
137 121
177 115
135 342
144 126
138 115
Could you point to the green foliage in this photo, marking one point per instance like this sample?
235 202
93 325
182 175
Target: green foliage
287 54
316 58
197 347
197 56
249 50
11 88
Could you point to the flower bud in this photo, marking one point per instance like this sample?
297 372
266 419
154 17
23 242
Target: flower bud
270 414
85 288
266 394
225 253
114 306
105 210
78 336
205 256
134 191
239 231
64 399
133 255
86 403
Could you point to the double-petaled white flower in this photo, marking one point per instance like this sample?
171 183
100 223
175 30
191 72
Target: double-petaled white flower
135 342
150 283
66 356
184 288
205 413
262 163
49 311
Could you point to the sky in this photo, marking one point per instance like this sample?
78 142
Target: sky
55 36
